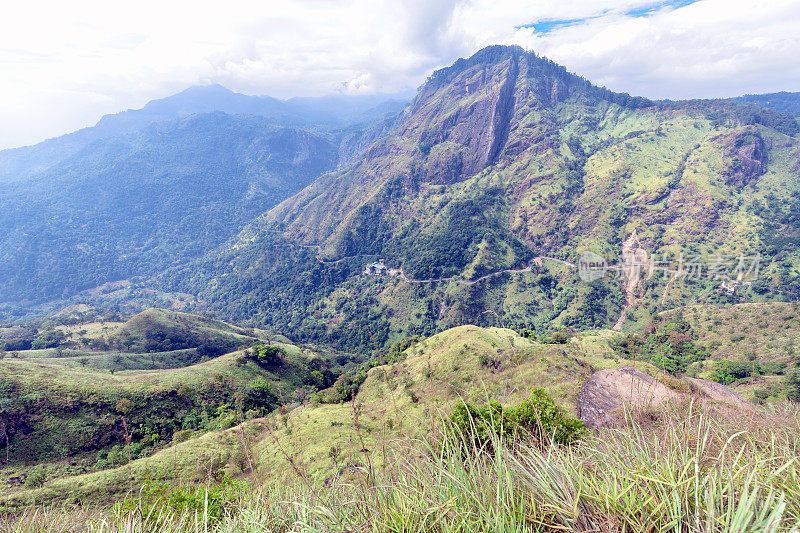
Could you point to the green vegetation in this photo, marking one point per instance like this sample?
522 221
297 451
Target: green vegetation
387 449
139 204
785 102
712 475
65 408
501 173
670 346
538 418
569 167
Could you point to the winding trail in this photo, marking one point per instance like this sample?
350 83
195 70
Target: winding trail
535 261
632 275
401 274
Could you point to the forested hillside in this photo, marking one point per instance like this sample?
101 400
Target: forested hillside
134 205
154 187
503 158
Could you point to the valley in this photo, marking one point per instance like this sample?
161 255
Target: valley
576 168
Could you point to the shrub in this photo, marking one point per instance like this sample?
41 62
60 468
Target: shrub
558 337
397 351
538 418
347 384
726 372
760 396
181 435
36 477
212 501
792 381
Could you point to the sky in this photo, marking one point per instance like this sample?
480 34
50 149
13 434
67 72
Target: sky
65 64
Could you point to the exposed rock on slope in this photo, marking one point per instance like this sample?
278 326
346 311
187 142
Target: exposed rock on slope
607 394
719 393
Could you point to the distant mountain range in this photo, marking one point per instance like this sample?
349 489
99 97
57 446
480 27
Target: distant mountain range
481 194
321 114
155 187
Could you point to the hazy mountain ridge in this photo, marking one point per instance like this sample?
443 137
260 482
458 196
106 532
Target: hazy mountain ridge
140 203
188 164
785 102
316 113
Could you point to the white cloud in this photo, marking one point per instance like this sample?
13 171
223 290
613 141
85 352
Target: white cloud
65 64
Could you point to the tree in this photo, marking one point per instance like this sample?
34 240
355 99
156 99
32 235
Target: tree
259 393
269 356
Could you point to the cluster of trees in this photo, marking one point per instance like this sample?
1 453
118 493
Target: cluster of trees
454 240
668 345
279 285
267 356
727 372
153 332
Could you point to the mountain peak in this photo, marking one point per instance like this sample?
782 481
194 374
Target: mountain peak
476 109
542 71
210 89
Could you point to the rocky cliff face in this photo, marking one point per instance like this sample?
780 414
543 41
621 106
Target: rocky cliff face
745 157
478 110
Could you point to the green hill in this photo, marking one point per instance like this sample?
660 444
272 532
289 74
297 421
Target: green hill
71 410
399 407
396 399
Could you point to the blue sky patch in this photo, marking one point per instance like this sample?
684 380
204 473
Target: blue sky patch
546 26
647 10
549 25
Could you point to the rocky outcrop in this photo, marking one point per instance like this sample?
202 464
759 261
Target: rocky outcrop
605 394
745 158
478 124
608 394
719 393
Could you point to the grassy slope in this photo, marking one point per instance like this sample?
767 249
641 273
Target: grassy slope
402 399
405 399
70 410
766 332
206 457
152 339
63 410
184 328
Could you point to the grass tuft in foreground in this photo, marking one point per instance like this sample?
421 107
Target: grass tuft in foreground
688 468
